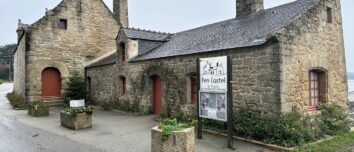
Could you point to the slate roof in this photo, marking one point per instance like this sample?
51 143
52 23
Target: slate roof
234 33
145 35
147 45
109 58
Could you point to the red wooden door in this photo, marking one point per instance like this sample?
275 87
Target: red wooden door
156 95
51 83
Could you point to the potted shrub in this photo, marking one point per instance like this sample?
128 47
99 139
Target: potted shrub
172 136
76 118
76 89
38 109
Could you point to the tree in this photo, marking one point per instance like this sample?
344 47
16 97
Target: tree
6 60
76 88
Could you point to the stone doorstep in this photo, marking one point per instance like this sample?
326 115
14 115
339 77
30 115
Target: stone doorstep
269 146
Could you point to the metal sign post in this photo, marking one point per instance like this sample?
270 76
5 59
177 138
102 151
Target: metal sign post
215 93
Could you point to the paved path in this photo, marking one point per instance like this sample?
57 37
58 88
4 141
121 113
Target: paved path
111 132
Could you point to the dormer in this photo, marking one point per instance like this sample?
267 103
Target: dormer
133 42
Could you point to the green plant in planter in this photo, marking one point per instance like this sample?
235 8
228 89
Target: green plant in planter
38 109
74 111
168 126
76 87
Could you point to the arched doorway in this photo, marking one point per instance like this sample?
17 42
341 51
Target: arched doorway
156 94
51 83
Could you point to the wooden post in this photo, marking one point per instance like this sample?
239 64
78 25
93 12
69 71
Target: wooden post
230 125
200 120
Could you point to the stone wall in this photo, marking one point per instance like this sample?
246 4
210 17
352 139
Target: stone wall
310 42
255 75
103 83
19 68
91 32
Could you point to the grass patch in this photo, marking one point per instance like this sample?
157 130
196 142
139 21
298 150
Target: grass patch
342 142
16 101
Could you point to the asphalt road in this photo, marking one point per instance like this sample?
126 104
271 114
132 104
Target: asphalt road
18 137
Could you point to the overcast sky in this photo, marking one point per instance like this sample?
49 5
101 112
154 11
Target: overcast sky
160 15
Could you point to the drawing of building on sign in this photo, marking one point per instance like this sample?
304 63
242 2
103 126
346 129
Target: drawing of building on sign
214 70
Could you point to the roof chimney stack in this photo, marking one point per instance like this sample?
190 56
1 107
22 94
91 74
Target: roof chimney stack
120 11
248 7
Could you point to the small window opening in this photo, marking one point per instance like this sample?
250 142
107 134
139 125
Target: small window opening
123 88
329 15
63 24
193 90
123 52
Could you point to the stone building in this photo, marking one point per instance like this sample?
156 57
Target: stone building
286 56
62 42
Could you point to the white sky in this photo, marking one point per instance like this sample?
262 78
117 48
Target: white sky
160 15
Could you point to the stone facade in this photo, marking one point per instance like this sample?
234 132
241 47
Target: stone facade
273 77
103 78
255 75
314 42
90 32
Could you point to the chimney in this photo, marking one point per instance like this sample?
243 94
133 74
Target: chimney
19 29
120 11
248 7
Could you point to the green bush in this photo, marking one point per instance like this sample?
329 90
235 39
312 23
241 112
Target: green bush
291 129
333 120
74 111
168 126
76 87
16 101
288 130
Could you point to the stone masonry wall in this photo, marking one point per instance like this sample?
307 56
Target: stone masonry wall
19 68
255 75
312 43
91 31
103 83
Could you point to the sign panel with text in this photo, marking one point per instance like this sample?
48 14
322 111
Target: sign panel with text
213 88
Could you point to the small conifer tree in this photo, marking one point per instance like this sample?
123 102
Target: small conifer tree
76 88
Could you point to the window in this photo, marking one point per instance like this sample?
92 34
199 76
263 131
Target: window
123 90
193 88
63 24
123 51
329 15
314 90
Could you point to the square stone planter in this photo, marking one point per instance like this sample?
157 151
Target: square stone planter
38 111
80 121
179 141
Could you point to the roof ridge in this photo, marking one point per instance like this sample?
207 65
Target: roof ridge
147 30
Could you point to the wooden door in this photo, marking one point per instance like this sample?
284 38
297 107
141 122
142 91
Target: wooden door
89 86
156 95
51 83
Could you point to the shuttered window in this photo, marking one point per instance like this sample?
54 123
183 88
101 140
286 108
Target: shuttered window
314 90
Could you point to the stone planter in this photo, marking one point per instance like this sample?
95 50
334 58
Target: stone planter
80 121
38 110
179 141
